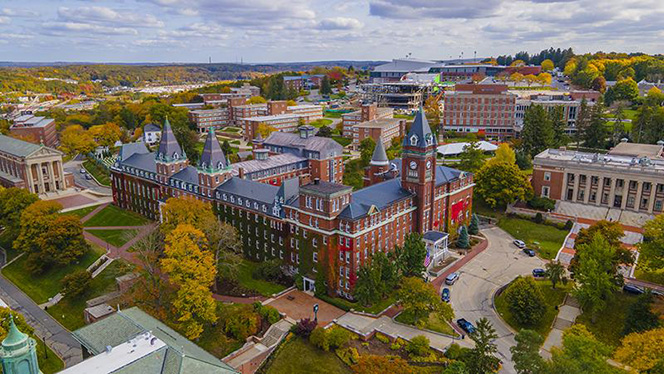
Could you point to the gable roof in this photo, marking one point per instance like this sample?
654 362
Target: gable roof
141 161
262 192
379 195
16 147
327 147
129 149
151 127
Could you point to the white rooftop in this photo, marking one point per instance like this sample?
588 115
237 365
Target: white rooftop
457 148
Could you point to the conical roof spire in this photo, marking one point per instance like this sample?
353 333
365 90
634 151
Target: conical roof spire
212 158
15 339
420 134
169 148
379 157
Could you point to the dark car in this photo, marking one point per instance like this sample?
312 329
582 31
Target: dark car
465 325
538 273
445 296
529 252
88 177
628 288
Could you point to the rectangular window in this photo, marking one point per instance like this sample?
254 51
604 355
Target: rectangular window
547 176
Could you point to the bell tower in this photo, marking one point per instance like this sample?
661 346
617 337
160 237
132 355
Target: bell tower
213 167
418 169
379 165
18 353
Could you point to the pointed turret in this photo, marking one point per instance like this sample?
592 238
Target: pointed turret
15 339
169 148
379 157
213 158
18 353
420 134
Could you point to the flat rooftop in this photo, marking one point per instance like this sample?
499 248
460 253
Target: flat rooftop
273 117
379 123
325 188
653 151
636 164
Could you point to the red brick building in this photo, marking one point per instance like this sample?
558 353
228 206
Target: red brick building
35 130
480 108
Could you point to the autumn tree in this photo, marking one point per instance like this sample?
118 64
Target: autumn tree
525 354
106 134
74 139
420 299
186 209
265 130
651 250
611 231
152 289
471 158
256 100
190 267
504 153
643 351
500 184
547 65
13 201
581 353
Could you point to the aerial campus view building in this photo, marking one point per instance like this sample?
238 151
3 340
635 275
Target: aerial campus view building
315 224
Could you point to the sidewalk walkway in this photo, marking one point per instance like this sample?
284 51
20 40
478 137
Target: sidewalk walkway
565 319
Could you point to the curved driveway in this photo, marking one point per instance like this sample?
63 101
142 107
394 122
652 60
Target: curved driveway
471 295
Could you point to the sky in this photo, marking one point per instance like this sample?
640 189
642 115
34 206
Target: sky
255 31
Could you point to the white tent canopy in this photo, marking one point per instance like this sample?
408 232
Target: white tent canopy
453 149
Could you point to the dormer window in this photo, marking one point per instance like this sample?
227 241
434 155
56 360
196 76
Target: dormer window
203 165
413 140
175 156
220 165
429 139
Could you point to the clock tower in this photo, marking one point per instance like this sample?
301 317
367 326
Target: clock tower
418 170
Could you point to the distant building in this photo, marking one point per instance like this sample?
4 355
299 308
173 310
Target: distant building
380 130
630 176
303 82
393 71
480 108
645 86
282 117
35 129
550 101
367 112
37 168
151 134
207 118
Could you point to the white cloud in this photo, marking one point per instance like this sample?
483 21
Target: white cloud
107 16
340 23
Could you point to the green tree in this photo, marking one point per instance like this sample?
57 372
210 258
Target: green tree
582 122
581 353
420 299
640 317
596 132
524 160
471 158
500 184
482 356
595 276
525 301
376 279
525 353
456 367
555 271
537 134
625 89
559 126
325 87
324 132
410 257
367 146
652 248
418 346
474 227
13 202
76 283
463 239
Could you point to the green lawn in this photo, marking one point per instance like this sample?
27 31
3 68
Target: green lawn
321 122
552 297
102 175
433 323
348 305
80 213
298 356
481 208
545 239
341 140
609 324
69 311
114 216
117 238
329 114
404 116
43 286
6 242
230 129
49 362
246 279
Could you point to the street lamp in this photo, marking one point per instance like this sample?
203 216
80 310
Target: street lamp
316 313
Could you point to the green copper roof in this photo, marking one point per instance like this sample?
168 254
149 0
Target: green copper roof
14 338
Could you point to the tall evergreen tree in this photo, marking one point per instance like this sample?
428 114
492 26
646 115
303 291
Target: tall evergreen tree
559 126
582 121
537 134
595 134
325 87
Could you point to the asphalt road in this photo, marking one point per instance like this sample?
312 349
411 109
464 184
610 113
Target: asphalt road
74 167
471 295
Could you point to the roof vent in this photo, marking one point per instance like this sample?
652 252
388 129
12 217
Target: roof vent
109 349
624 140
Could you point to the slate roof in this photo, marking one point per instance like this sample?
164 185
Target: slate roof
151 127
188 175
213 157
274 161
141 161
16 147
421 129
325 188
182 356
434 236
325 146
168 145
379 156
129 149
444 174
247 189
379 195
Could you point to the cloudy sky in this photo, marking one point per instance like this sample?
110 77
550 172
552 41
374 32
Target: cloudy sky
308 30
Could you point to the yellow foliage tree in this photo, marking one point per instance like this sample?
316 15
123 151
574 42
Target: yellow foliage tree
642 351
189 210
530 79
516 77
106 134
547 65
291 103
504 153
544 79
265 130
518 63
190 267
257 100
74 139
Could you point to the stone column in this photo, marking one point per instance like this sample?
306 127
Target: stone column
625 189
586 193
600 190
51 175
637 199
31 182
651 201
40 177
576 187
61 170
564 194
612 192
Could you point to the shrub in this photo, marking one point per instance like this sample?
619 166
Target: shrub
382 338
418 346
542 203
395 346
538 218
453 351
242 323
338 337
76 283
525 301
268 313
304 327
268 270
349 355
568 225
463 241
299 282
320 338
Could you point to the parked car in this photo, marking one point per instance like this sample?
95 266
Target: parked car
88 176
628 288
520 244
451 279
529 252
465 325
83 171
538 273
445 296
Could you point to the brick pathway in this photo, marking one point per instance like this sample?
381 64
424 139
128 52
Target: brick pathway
297 305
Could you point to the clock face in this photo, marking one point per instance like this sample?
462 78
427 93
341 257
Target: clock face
413 165
428 164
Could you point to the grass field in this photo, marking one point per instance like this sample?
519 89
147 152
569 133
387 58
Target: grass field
609 324
80 213
341 140
49 362
117 238
114 216
545 239
552 297
321 122
69 311
41 287
246 279
102 175
433 323
298 356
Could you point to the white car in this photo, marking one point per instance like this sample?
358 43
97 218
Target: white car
82 171
520 244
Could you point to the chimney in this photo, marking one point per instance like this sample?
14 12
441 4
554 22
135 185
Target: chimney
316 181
369 112
241 172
